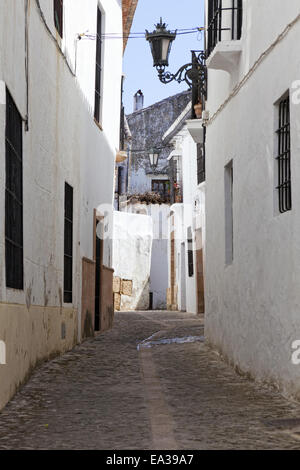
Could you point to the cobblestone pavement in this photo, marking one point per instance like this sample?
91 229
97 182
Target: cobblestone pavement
108 394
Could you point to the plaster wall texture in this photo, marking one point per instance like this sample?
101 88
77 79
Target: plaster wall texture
147 127
63 144
132 247
190 214
159 214
252 305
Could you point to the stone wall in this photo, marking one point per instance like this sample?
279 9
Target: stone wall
147 127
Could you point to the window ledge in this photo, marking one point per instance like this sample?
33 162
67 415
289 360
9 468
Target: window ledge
98 124
195 128
225 56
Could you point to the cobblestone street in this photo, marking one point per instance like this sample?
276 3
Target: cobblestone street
111 393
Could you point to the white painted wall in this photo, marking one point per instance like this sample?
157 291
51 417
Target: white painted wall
188 214
132 246
63 144
252 306
159 214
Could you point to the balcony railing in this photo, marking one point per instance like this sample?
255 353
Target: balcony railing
225 19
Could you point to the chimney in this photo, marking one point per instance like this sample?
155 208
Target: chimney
138 101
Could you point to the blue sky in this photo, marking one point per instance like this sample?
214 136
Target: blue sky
138 65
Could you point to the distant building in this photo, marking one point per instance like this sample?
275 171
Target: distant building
147 190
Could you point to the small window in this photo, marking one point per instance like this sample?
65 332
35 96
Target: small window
98 67
13 196
68 245
228 184
161 187
200 164
58 16
284 156
190 252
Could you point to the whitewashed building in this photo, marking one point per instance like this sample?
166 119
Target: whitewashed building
252 260
138 184
59 135
187 216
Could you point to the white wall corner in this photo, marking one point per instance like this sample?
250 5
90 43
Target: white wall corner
196 130
225 56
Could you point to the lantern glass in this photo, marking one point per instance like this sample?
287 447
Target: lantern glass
160 41
153 156
165 50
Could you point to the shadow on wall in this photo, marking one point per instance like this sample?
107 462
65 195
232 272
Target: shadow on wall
129 297
144 299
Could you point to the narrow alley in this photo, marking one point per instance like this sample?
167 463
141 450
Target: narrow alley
124 391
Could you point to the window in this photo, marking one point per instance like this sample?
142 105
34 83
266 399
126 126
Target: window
58 16
68 247
200 163
225 19
190 252
161 187
228 184
98 66
284 156
13 196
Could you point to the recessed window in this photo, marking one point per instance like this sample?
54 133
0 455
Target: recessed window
13 196
224 22
284 156
58 7
98 66
161 187
68 245
200 163
190 252
228 184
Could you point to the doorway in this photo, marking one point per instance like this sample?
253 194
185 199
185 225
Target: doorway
183 280
98 257
200 272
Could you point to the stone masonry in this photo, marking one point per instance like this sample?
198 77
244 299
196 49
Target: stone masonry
114 392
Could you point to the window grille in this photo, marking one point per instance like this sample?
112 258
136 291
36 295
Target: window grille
161 187
58 16
13 196
190 252
68 245
98 66
225 18
284 156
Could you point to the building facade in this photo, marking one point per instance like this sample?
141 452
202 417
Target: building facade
59 134
252 141
187 217
148 189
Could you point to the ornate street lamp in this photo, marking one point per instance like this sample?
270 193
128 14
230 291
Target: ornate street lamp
160 42
153 157
193 73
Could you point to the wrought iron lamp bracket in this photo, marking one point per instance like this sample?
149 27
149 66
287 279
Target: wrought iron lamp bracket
194 73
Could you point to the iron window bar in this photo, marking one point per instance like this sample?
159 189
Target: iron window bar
98 67
216 27
284 157
14 263
190 252
68 245
58 8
